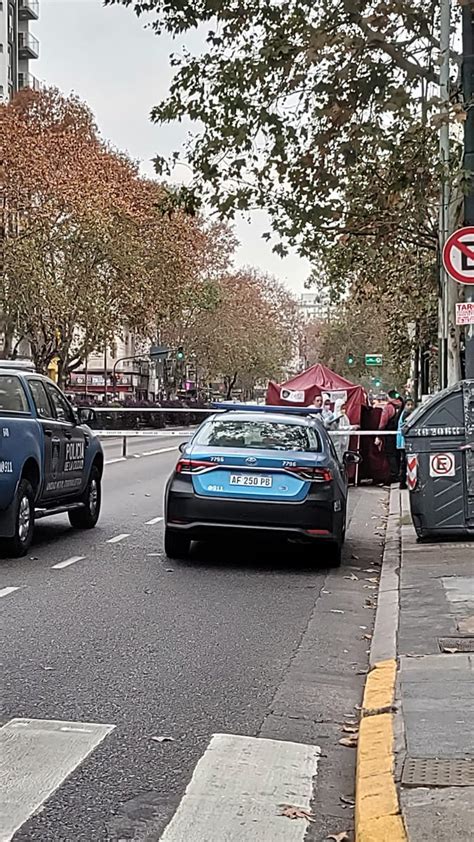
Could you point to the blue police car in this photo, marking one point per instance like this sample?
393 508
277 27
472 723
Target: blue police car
49 462
262 471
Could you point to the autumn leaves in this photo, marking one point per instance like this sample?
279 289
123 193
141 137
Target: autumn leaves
88 245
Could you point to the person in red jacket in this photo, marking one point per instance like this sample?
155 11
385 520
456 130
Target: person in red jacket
389 421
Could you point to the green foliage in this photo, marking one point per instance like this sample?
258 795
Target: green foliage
291 99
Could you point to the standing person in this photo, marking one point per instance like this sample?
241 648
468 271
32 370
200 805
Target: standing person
317 403
389 422
409 407
327 414
342 423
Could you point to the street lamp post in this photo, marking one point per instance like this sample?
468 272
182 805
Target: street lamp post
468 92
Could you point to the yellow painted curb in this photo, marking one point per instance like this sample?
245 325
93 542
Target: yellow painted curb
377 817
380 686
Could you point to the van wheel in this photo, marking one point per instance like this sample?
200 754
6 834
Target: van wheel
176 545
24 521
87 516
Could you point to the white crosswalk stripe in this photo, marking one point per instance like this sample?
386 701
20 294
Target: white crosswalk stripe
36 756
239 788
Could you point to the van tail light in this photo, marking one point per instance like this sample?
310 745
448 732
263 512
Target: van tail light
192 466
312 474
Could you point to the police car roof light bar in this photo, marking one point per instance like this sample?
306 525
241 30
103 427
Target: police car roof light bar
255 407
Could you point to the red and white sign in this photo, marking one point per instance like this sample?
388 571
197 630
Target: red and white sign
465 313
458 255
412 471
442 465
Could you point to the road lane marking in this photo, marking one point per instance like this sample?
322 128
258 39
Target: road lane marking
36 756
159 450
153 521
118 459
237 790
137 455
118 538
67 562
6 591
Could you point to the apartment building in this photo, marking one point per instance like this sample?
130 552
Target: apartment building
314 305
18 46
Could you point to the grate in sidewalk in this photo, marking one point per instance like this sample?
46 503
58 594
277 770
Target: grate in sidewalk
462 644
436 771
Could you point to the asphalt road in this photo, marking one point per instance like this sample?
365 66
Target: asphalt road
254 641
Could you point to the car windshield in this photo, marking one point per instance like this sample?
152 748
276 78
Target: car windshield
12 395
266 435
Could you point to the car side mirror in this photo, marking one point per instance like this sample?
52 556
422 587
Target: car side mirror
351 458
85 415
182 446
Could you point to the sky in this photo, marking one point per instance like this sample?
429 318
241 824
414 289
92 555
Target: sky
121 69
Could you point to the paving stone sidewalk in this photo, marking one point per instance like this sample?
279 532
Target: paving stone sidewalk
435 647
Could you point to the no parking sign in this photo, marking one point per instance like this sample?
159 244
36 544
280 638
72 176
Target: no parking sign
442 465
458 255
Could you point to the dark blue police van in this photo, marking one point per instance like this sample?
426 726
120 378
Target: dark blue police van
50 462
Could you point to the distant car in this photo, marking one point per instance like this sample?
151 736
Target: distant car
261 472
49 462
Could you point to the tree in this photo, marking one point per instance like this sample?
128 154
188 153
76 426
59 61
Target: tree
249 335
88 245
291 98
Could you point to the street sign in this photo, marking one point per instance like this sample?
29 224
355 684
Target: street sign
465 313
158 352
442 465
373 359
458 255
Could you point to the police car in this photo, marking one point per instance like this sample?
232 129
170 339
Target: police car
263 470
50 463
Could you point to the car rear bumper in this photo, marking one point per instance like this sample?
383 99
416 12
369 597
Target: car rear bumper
202 517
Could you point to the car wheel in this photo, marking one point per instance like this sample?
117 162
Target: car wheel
334 554
87 516
176 544
24 521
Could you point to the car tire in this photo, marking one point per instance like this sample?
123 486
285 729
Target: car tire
334 554
24 503
176 544
87 516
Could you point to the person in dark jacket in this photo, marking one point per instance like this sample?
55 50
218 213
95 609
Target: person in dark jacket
404 414
389 422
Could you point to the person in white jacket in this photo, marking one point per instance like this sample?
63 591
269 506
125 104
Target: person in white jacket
341 423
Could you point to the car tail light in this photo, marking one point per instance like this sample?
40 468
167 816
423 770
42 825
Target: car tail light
312 474
317 531
192 466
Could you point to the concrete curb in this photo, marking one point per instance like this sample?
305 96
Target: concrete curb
378 817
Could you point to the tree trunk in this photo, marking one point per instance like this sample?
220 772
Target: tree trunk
229 382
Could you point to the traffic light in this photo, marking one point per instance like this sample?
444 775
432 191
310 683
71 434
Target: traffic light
377 382
180 354
351 359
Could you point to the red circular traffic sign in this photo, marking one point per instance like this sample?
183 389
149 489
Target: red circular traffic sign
458 255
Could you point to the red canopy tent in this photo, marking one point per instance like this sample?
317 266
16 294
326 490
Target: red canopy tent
318 380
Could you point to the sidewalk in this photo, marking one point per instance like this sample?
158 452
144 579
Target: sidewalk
415 776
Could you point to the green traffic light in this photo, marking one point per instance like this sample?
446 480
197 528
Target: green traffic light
350 359
180 354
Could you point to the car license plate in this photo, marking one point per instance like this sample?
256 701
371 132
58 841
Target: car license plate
251 480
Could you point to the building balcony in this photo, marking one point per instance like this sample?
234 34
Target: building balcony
28 46
27 80
28 9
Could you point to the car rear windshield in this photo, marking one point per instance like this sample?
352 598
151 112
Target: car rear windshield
12 395
264 435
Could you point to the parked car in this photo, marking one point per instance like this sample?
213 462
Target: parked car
258 472
49 461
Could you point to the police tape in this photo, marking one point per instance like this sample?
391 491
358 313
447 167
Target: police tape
183 433
121 434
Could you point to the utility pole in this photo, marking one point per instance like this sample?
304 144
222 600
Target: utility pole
468 92
443 309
